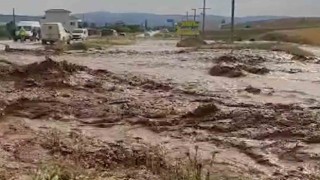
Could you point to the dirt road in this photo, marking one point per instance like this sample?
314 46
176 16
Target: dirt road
260 125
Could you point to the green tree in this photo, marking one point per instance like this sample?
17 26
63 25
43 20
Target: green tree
93 25
85 24
10 29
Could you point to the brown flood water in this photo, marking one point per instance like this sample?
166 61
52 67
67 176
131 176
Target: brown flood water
163 95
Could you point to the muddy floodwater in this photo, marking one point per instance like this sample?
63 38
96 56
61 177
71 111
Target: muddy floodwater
254 113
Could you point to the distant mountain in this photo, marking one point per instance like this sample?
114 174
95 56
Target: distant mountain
212 21
283 23
258 18
8 18
102 17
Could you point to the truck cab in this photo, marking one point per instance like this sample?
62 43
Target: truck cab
81 34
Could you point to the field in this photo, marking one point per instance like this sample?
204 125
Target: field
240 34
296 30
301 36
286 23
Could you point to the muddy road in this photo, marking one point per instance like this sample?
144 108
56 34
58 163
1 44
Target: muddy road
247 115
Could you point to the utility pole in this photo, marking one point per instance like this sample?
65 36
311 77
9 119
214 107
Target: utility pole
14 17
232 20
195 14
204 16
187 15
146 25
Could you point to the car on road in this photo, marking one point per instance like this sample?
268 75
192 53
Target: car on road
54 32
80 34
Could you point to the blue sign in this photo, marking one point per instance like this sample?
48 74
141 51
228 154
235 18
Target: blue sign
170 20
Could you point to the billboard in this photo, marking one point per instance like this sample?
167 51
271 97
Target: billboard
188 28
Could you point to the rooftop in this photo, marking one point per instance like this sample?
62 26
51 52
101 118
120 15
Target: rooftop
58 10
74 18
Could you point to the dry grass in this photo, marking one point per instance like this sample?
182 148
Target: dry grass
63 171
301 36
283 23
240 34
91 159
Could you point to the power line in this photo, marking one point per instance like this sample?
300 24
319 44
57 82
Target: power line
14 16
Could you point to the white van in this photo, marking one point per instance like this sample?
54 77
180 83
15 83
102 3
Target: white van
29 27
80 34
54 32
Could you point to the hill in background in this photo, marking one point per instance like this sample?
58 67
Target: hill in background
100 18
283 23
304 30
8 18
213 22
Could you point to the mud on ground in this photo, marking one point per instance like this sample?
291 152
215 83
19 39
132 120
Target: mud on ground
62 117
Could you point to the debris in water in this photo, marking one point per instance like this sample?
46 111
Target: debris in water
227 71
203 110
254 70
253 90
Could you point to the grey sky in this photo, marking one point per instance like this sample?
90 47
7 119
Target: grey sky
220 7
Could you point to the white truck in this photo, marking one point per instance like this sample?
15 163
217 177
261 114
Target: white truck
80 34
29 27
54 32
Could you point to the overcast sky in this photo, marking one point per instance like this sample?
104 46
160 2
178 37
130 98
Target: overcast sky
219 7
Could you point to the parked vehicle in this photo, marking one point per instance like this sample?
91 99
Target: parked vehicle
81 34
29 28
54 32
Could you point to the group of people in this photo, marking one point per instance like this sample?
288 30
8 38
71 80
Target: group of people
36 34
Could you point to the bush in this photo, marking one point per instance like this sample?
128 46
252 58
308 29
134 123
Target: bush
3 32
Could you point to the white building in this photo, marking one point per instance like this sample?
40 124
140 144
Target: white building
63 16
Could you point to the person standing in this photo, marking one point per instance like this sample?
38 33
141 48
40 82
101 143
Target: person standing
34 34
39 33
22 34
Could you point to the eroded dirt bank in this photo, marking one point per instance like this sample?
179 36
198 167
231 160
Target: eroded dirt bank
54 112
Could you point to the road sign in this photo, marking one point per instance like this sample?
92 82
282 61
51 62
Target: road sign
170 20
